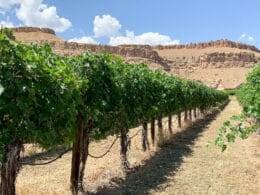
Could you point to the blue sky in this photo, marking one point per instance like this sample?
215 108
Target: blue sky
139 21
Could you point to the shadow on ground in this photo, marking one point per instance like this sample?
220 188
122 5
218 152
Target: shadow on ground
165 162
45 157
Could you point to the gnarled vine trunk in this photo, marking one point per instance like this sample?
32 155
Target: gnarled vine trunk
123 152
153 130
190 114
179 120
10 169
145 142
84 152
195 112
75 161
160 128
185 115
170 124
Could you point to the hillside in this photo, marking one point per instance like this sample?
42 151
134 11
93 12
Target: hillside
218 62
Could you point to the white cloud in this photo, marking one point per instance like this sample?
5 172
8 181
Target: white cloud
109 26
248 37
106 25
84 39
242 36
6 24
35 13
149 38
5 4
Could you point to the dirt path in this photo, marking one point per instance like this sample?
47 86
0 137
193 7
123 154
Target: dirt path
207 171
182 166
186 166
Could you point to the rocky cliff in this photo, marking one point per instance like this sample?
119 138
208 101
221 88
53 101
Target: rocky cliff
193 61
147 54
44 35
32 29
215 60
216 44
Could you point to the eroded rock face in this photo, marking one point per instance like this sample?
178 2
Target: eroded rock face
33 29
217 60
229 60
218 43
71 49
146 53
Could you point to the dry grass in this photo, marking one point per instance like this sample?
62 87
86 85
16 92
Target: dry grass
54 178
230 77
173 53
208 171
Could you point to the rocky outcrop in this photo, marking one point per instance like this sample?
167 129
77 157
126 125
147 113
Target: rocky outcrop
216 44
147 53
71 49
216 60
227 60
124 51
33 29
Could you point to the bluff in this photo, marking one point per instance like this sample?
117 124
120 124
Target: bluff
217 62
131 54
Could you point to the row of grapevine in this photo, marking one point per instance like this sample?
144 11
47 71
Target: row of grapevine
249 97
249 94
36 91
52 100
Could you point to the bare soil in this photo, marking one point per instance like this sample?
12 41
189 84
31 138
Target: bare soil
173 53
230 78
208 171
182 165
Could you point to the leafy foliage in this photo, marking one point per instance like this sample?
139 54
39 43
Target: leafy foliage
42 94
248 121
36 102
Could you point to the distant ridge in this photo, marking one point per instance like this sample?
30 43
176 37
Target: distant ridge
217 43
201 45
33 29
45 35
211 62
34 34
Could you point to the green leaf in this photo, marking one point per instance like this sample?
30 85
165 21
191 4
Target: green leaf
227 124
208 144
231 137
219 141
